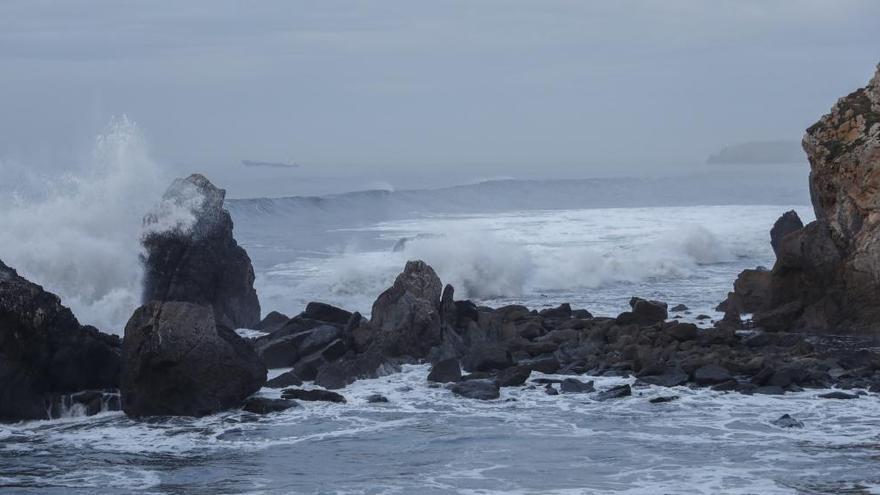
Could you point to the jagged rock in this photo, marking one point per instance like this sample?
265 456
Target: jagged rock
680 307
549 389
263 405
575 386
191 255
786 421
617 392
826 278
178 362
44 351
670 377
682 331
342 372
445 371
644 312
477 389
487 357
561 311
711 374
376 399
663 399
786 224
284 380
272 322
513 376
838 395
315 395
325 312
406 317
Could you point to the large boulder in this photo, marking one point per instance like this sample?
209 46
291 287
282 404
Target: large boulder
177 361
45 353
827 274
191 255
406 317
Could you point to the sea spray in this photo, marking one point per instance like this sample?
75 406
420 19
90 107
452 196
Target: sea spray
78 235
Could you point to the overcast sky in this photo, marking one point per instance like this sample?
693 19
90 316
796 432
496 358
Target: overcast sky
389 90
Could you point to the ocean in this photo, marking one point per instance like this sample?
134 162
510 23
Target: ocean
592 243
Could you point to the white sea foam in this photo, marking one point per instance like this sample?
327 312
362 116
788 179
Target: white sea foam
78 236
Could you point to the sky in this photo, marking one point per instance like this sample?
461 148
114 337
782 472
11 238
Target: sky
412 93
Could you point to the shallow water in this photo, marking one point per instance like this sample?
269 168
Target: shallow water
425 440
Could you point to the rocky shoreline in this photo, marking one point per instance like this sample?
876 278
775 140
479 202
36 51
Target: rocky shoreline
809 322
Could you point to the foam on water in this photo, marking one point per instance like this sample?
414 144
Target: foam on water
78 235
427 439
594 258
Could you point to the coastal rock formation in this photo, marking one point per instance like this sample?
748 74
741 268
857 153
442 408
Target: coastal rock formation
178 361
45 353
191 255
406 317
827 274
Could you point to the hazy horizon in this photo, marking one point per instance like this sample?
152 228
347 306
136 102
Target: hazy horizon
415 94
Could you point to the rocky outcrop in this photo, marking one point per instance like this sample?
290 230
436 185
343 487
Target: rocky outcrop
45 354
406 317
192 256
177 361
827 274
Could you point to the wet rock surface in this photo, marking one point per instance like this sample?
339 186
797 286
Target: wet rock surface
177 361
192 256
45 353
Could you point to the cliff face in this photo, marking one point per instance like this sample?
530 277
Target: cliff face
827 274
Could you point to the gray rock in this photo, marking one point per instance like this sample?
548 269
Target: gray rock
445 371
838 395
617 392
178 362
199 263
263 405
786 421
711 374
477 389
575 386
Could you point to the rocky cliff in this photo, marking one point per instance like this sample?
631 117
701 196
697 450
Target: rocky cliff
827 275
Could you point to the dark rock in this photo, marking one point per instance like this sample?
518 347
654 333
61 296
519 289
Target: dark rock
561 311
614 393
549 389
663 399
670 377
406 317
682 331
679 308
199 263
711 374
312 395
487 357
786 224
513 376
445 371
346 370
178 362
838 395
263 405
377 399
574 386
325 312
581 314
643 312
769 390
45 352
728 386
279 353
284 380
477 389
272 322
548 365
786 421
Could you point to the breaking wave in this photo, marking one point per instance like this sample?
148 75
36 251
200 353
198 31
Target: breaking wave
78 234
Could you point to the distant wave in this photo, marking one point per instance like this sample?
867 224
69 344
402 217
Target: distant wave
361 207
